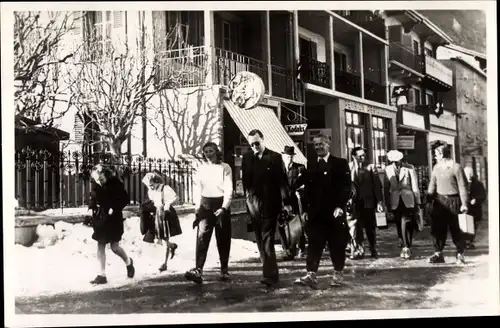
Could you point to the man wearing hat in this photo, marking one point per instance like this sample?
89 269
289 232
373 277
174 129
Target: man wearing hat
402 196
293 171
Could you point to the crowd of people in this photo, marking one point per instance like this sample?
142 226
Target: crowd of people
336 203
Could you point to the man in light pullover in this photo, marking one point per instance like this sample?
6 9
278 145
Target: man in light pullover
214 180
448 190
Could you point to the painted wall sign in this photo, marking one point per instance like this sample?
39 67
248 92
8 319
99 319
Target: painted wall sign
413 119
405 142
351 105
446 120
295 129
246 89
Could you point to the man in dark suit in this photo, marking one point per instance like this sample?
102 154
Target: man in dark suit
266 189
293 170
327 184
368 186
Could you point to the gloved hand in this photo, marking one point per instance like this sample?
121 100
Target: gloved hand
197 219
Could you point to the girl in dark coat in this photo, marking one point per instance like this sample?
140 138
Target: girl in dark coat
107 200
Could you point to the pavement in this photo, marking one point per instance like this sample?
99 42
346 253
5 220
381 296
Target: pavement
386 283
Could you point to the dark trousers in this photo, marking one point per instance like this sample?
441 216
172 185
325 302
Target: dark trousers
265 230
322 230
209 222
405 223
444 215
366 221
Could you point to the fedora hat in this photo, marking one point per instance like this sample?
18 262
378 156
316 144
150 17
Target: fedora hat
394 156
289 150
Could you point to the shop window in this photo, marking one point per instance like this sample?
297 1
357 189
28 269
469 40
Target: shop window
356 131
380 137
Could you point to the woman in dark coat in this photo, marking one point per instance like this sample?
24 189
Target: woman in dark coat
107 200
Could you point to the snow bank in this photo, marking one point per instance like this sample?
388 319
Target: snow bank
64 258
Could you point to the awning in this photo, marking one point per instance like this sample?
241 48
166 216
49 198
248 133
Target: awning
264 119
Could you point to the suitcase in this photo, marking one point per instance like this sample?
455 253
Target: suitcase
381 218
466 223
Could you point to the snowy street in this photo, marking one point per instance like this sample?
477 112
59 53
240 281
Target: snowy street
385 283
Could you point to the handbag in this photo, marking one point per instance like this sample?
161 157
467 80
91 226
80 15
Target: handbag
381 219
292 226
172 219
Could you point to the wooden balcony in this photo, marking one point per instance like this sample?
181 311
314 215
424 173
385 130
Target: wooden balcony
438 77
349 83
365 19
404 63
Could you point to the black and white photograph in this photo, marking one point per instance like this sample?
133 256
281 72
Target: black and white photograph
249 161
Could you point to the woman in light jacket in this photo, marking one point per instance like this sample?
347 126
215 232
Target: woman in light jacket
162 196
215 187
402 198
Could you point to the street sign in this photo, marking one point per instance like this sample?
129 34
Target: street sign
406 142
296 129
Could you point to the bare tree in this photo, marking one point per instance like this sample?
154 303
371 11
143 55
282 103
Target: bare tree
116 80
39 62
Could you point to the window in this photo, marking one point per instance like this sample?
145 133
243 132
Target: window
380 138
416 47
429 52
356 131
308 48
103 24
417 98
340 61
429 99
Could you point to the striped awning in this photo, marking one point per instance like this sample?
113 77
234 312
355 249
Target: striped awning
264 119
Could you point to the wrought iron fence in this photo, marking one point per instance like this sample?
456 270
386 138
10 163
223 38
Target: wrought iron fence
55 180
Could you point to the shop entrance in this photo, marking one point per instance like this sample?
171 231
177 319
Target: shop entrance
415 149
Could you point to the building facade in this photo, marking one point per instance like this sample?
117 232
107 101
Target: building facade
414 43
469 98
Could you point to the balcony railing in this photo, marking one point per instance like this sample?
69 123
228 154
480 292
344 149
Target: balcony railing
189 67
186 67
406 56
375 91
228 63
365 19
438 70
348 83
315 72
285 83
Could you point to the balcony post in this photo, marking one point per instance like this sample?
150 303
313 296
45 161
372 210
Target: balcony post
208 43
332 51
385 71
267 49
360 63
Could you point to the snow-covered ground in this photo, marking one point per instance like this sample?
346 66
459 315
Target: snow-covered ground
65 259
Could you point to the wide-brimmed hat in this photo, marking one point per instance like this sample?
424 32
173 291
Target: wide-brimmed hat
289 150
395 156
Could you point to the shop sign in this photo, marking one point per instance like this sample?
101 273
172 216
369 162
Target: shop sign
311 133
413 119
406 142
447 121
367 109
246 89
295 129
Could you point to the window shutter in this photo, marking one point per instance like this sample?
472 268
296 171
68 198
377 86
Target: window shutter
78 23
118 19
118 34
79 129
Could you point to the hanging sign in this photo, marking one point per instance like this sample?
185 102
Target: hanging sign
246 89
406 142
296 129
